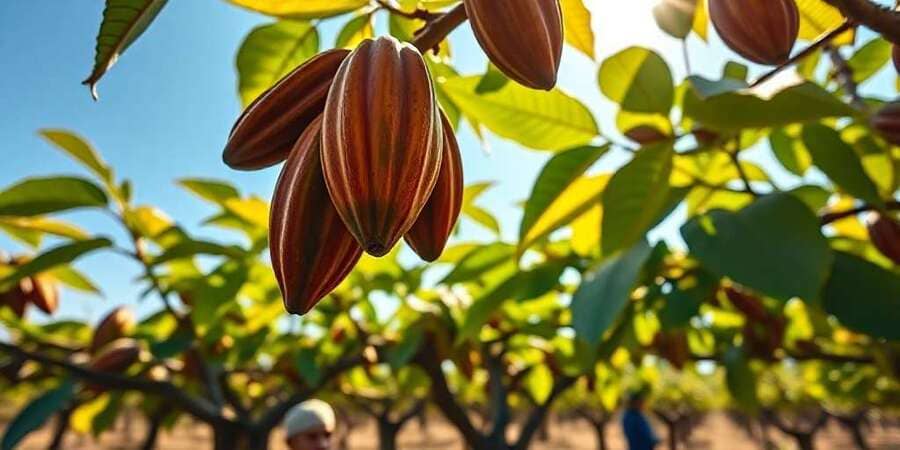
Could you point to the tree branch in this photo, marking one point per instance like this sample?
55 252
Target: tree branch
836 216
445 400
438 29
537 415
879 18
812 48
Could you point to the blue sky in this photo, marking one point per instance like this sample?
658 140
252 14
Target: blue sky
166 109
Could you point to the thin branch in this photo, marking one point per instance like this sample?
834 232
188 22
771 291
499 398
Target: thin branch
419 14
879 18
844 75
445 400
836 216
812 48
438 29
539 414
735 159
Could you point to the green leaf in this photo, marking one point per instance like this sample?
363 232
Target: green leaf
578 30
191 248
79 149
683 304
864 297
301 9
557 175
635 197
307 366
838 160
604 293
75 280
55 257
476 213
805 102
36 414
43 225
123 22
36 196
270 52
790 152
211 190
539 383
479 261
774 245
355 31
870 59
535 119
740 378
639 80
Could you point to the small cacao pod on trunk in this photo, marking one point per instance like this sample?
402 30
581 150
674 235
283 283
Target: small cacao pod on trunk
523 38
43 294
429 235
887 123
266 131
311 249
381 142
763 31
116 324
885 234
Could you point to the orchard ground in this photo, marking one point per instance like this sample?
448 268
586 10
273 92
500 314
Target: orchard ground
717 432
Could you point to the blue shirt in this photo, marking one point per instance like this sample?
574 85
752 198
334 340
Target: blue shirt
637 431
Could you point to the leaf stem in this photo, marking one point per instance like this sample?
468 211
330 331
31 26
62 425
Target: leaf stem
438 29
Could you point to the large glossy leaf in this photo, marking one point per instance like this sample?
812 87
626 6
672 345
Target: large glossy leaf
864 296
479 261
557 175
635 197
838 160
272 51
36 196
301 9
57 256
79 149
870 59
639 80
215 191
39 226
605 292
817 18
536 119
578 198
805 102
577 21
36 414
123 22
774 245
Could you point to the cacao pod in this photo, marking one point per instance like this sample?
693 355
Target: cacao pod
646 135
887 123
114 325
763 31
381 142
751 306
265 133
429 235
523 38
897 57
674 347
117 356
885 234
43 294
310 247
16 299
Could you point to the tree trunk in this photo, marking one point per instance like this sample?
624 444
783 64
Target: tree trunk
854 424
600 432
805 441
231 437
59 433
387 435
153 426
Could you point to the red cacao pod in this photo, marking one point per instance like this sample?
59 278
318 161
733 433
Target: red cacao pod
887 123
117 356
381 142
763 31
523 38
751 306
265 133
16 299
43 294
116 324
429 235
885 234
311 249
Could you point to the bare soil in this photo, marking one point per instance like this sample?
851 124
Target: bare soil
717 432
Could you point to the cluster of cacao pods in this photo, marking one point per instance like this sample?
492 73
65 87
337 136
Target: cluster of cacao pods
523 38
763 331
117 324
371 159
886 122
115 357
763 31
884 232
40 291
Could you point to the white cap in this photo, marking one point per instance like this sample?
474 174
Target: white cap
307 416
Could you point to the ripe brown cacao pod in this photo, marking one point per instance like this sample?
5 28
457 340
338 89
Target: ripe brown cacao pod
646 135
265 133
117 356
763 31
673 347
43 294
16 299
311 249
523 38
885 235
748 304
381 142
429 235
887 123
116 324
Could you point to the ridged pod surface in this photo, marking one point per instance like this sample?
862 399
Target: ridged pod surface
885 235
429 235
310 247
381 142
265 133
523 38
114 325
43 294
887 122
763 31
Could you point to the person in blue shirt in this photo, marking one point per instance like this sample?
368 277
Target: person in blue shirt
638 432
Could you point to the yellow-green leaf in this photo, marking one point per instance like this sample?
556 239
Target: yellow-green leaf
577 22
301 9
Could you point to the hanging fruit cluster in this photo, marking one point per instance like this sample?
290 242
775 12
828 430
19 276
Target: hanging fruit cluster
371 157
763 31
37 290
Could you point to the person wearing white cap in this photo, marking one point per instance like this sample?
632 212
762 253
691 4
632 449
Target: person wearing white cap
309 425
